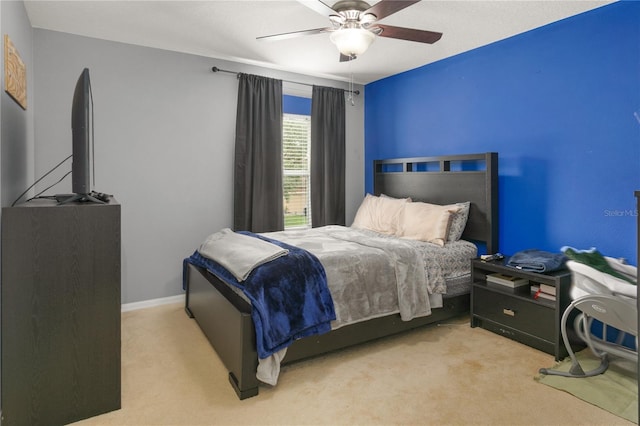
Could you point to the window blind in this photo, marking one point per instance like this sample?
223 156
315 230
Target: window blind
296 140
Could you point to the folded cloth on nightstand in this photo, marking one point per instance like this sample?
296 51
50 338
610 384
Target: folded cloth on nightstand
535 260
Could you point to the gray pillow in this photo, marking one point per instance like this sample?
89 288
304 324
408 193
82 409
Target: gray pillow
458 221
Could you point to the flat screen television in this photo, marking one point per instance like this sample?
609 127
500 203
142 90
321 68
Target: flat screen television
81 134
82 142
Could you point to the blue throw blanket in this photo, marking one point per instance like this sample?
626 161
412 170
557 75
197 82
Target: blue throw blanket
289 296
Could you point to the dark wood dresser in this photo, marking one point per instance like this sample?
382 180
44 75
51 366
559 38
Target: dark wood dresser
60 312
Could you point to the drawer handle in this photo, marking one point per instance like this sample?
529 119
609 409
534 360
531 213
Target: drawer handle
509 312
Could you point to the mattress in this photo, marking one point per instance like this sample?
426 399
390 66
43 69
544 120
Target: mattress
390 273
447 270
451 261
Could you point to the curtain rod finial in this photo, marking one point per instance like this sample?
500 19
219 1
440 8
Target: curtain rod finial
215 69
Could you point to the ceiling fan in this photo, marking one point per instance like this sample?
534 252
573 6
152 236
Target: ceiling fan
354 25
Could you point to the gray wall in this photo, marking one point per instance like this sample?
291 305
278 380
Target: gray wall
164 143
16 134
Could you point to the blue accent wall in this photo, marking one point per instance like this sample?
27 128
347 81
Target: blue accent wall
561 106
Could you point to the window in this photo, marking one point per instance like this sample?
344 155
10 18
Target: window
296 141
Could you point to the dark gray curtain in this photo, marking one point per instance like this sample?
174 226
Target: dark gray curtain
327 156
258 205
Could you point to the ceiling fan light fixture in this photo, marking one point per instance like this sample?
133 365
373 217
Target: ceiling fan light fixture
352 41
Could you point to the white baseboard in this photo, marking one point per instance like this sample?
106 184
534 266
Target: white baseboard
126 307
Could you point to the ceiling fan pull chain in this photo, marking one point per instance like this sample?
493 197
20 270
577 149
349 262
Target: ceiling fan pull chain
351 98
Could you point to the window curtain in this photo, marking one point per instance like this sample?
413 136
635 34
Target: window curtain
327 156
258 195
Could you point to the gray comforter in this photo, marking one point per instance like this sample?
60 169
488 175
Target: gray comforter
373 275
368 275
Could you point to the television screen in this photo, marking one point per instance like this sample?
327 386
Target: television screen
81 133
82 144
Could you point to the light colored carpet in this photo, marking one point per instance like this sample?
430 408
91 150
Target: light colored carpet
616 390
450 374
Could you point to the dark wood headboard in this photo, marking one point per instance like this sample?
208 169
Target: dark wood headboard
446 180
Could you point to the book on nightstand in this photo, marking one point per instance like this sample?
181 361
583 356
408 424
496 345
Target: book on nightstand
507 280
548 289
543 291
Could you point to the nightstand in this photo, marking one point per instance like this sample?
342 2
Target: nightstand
515 313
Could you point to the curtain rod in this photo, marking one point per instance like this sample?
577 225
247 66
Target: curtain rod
216 69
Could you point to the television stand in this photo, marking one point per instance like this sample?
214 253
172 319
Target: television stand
60 331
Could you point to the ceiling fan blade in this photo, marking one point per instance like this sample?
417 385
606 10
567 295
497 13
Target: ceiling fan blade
294 34
420 36
319 7
384 8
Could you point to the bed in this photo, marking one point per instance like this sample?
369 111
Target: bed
225 316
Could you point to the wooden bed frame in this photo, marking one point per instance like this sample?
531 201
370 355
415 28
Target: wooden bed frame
225 317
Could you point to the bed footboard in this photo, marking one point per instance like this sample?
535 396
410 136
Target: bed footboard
226 321
225 318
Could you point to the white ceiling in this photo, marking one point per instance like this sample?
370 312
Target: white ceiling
228 29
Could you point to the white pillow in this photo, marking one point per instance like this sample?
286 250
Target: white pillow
407 199
380 214
426 222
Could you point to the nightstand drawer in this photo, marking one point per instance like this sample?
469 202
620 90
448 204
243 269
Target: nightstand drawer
514 312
